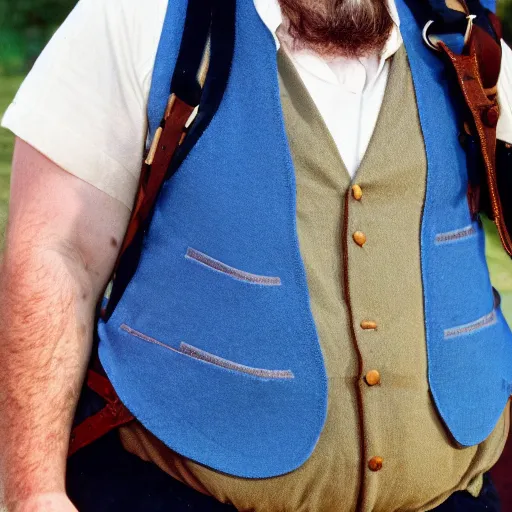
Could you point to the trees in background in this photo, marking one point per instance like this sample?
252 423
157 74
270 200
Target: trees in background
26 26
505 13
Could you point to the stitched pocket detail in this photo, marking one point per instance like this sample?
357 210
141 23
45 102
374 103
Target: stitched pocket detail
458 234
484 321
197 353
207 261
207 357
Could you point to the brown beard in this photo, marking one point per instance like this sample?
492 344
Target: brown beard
348 28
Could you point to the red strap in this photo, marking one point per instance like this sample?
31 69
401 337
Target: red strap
113 415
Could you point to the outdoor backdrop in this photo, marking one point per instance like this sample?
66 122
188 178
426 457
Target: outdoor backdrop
26 25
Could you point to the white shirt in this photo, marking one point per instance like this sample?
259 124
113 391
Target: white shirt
347 92
83 105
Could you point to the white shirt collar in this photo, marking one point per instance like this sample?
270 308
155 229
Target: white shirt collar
272 16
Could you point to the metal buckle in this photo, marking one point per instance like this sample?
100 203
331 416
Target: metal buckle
433 45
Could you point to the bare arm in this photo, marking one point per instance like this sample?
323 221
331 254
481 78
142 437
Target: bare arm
62 241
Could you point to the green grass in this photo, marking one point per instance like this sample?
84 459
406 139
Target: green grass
501 268
500 264
8 87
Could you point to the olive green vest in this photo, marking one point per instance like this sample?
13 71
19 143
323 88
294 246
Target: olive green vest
393 453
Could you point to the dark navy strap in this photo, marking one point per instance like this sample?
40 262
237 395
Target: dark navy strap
204 17
222 48
442 14
482 17
449 21
195 33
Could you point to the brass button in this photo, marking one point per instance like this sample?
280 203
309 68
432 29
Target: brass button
372 378
368 325
359 238
357 193
375 463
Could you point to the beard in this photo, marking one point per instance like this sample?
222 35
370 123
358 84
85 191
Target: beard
338 28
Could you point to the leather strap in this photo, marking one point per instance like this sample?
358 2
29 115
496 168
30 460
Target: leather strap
166 141
477 70
186 90
182 107
112 416
167 138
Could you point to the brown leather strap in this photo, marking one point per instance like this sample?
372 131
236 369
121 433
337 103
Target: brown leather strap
112 416
177 119
165 142
477 70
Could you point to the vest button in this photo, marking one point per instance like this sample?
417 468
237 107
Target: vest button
357 193
368 325
375 463
359 238
372 378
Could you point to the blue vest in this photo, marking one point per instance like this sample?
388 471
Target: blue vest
213 345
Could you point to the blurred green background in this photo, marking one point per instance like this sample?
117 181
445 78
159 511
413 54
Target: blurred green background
26 25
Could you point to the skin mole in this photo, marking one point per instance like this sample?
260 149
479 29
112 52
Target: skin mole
113 242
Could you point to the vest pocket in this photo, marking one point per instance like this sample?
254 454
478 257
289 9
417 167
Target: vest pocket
240 275
207 357
478 324
201 355
455 235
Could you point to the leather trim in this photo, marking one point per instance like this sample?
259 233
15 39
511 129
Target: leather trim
178 139
360 372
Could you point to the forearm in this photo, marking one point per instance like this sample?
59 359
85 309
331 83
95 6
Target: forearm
46 312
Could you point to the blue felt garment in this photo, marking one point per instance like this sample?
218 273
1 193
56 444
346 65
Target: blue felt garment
469 343
223 364
233 199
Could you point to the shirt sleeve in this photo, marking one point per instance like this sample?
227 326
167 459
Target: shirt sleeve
83 105
504 128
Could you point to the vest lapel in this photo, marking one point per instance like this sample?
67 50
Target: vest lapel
305 127
386 127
